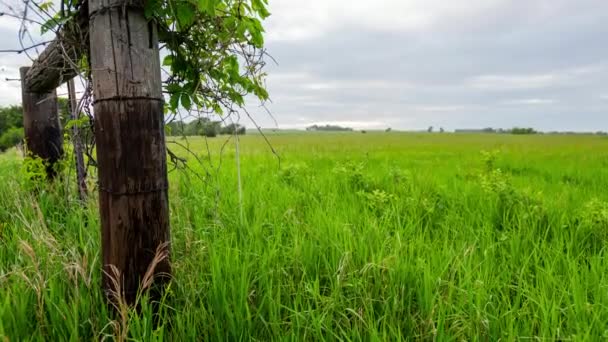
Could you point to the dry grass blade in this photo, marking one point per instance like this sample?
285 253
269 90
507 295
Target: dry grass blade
162 253
119 302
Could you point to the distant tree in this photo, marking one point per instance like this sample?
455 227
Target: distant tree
11 127
430 129
11 137
10 117
364 131
388 130
174 128
199 127
209 130
523 131
441 130
234 129
329 128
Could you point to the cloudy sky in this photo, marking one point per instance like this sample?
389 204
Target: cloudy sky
410 64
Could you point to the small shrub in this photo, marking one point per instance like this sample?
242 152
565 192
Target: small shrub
354 176
209 131
513 207
431 207
290 173
234 129
378 201
33 173
489 159
400 176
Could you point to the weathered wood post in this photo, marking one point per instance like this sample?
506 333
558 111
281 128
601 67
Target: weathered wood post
41 124
77 142
131 154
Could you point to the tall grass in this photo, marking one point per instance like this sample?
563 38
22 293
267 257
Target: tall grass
353 237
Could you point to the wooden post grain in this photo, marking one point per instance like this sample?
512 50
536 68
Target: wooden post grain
41 125
131 152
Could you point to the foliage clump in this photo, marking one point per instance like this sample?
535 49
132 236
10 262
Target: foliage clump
593 225
215 52
514 208
354 176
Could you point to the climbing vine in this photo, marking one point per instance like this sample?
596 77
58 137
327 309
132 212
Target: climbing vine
215 51
212 50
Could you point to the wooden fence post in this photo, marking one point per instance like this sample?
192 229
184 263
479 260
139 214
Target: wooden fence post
131 152
81 176
41 124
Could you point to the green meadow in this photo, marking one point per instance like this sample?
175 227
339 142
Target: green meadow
337 236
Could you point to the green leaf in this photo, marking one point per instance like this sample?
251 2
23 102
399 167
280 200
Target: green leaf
53 23
174 102
185 14
152 8
207 6
260 8
186 101
217 109
46 6
203 5
232 67
168 60
174 88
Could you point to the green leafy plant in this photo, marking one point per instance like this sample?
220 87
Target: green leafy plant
378 201
592 230
290 173
353 174
33 173
513 207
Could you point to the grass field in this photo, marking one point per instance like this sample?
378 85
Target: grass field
349 237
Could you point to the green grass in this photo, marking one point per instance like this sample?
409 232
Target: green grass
350 237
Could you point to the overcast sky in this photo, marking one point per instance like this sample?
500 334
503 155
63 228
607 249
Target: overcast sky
410 64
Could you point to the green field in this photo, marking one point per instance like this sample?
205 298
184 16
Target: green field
379 236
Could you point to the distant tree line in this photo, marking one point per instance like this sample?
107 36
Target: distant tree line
514 130
431 129
11 126
203 127
329 128
519 130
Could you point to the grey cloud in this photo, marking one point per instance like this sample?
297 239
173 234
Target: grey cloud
537 63
526 63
